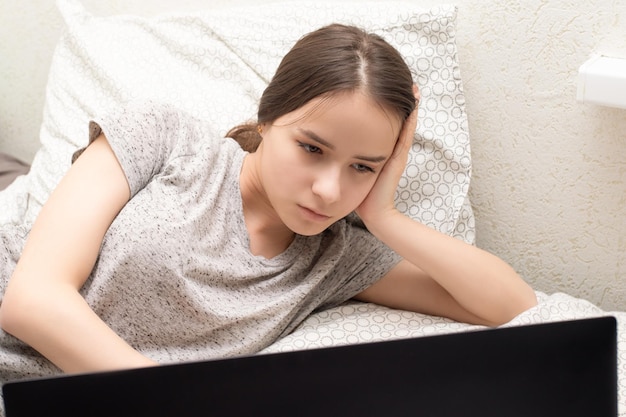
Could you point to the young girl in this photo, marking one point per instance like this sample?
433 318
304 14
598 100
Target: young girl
166 243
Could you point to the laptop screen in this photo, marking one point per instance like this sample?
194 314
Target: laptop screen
553 369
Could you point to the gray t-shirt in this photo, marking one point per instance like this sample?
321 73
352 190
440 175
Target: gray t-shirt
175 277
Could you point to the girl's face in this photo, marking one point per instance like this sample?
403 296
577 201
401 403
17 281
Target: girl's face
318 163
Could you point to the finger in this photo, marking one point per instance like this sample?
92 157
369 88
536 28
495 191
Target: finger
410 124
416 93
405 139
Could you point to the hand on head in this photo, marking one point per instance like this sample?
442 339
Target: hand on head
380 199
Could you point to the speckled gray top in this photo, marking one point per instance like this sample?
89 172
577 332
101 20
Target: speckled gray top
175 277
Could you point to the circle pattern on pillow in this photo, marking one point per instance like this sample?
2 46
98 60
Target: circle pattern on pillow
215 64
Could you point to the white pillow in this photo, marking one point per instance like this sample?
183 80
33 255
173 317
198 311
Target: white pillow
215 65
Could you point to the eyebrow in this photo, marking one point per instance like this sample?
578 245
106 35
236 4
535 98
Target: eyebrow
315 137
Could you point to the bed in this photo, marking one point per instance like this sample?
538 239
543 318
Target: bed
215 66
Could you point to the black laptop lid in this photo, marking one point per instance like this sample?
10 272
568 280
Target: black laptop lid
555 369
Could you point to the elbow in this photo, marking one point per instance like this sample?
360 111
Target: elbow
523 302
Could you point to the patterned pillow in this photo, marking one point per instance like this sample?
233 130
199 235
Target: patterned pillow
215 65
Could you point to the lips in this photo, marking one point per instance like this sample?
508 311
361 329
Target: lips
313 214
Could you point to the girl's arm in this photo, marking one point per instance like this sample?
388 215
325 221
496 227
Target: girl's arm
42 305
443 276
439 275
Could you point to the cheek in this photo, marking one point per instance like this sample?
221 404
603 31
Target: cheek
283 168
355 190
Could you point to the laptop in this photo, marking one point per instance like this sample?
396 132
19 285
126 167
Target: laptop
554 369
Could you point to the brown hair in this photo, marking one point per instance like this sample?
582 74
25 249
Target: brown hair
332 59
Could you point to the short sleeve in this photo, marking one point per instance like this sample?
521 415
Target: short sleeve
363 261
144 137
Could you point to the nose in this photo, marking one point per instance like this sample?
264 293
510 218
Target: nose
327 185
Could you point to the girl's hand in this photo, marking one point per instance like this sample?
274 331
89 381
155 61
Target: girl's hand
380 199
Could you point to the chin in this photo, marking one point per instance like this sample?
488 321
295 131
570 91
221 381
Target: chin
308 229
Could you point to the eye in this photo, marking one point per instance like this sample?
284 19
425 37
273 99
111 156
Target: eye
309 148
363 168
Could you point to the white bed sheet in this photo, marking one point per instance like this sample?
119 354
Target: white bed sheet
356 322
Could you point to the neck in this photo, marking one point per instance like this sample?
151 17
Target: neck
268 235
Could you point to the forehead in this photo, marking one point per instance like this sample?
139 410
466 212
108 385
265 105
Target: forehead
349 118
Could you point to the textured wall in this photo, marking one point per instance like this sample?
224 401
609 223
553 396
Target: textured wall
549 185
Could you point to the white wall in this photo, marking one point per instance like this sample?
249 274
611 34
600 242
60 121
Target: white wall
549 184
